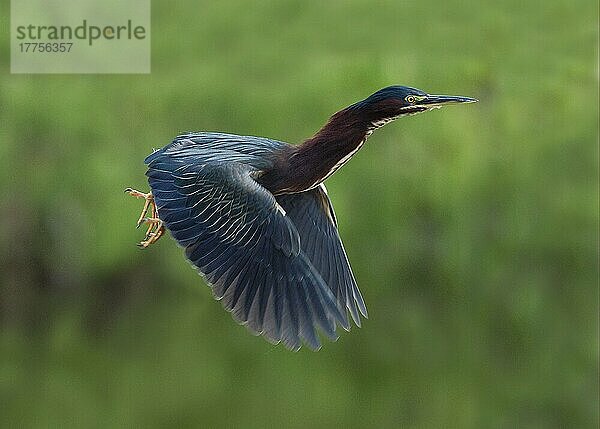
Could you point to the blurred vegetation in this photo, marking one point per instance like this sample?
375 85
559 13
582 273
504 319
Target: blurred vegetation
472 230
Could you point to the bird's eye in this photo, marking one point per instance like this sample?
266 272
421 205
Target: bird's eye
411 99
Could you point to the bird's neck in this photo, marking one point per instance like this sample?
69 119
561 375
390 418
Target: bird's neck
331 147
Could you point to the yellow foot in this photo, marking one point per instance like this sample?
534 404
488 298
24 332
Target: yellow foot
156 227
155 230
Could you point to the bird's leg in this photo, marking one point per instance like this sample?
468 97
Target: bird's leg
149 200
155 230
155 226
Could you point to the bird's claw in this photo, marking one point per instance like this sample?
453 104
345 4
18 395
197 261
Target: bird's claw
155 226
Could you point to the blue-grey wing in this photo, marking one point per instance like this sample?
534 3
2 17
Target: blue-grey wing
239 238
313 216
216 147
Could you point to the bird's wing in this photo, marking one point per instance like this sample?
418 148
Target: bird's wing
240 239
313 216
214 147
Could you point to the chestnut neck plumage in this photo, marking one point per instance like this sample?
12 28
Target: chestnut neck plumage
306 166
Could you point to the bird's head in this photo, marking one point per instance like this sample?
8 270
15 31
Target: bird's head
395 101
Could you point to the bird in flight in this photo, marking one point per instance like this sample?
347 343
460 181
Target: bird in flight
255 220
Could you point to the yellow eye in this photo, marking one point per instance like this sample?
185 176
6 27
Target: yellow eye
411 99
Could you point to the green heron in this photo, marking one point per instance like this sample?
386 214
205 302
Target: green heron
254 217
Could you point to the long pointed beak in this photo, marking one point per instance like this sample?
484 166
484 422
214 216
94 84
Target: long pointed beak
439 100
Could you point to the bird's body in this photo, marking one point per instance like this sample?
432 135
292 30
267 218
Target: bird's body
255 219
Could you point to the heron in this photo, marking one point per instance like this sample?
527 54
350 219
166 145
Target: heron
254 218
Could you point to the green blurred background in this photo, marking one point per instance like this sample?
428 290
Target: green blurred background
472 230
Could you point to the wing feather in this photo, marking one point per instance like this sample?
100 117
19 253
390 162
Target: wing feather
314 218
247 248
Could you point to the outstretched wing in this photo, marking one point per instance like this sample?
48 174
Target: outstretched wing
240 239
313 216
